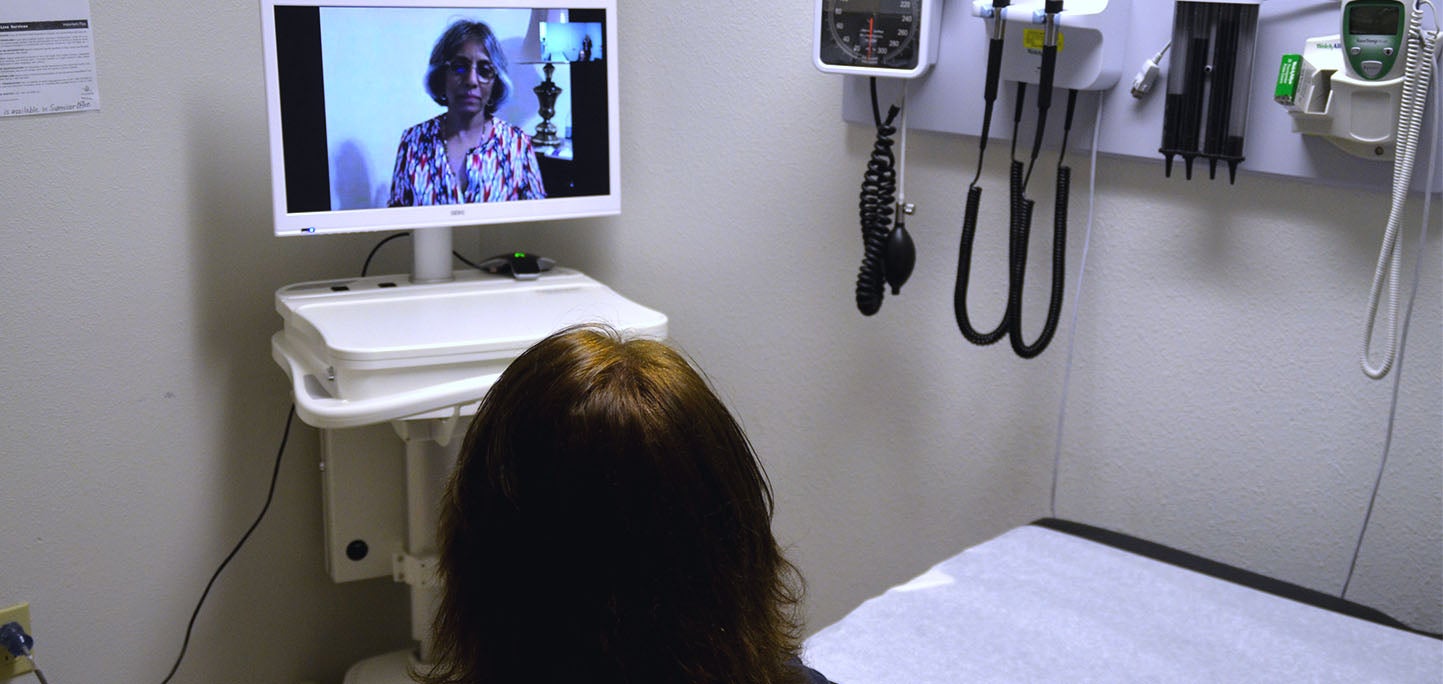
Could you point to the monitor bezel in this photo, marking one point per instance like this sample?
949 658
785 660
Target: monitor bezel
336 221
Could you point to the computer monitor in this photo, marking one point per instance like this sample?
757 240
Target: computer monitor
424 115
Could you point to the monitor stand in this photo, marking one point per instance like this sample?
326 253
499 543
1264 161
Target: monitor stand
431 255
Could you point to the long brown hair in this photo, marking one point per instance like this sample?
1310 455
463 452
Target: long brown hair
609 522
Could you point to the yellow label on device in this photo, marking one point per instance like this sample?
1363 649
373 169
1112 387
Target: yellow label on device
1032 39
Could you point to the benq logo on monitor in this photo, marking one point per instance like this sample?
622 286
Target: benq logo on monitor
458 212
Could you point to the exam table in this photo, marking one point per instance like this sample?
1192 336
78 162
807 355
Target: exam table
1057 601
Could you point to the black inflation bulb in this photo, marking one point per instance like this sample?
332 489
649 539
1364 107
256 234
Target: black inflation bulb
901 257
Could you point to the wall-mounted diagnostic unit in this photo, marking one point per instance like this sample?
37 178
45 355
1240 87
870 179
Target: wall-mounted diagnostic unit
1075 45
1361 83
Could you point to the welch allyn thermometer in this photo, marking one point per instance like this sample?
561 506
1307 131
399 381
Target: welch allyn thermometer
1373 37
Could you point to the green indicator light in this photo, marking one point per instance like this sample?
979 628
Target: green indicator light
520 255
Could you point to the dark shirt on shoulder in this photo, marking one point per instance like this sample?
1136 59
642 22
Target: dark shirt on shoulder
811 676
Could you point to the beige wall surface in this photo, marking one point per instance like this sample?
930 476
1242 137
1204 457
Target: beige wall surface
1214 403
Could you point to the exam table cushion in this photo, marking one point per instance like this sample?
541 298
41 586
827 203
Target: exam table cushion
1039 604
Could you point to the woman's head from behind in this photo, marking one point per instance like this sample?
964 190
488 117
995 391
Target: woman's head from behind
609 522
467 59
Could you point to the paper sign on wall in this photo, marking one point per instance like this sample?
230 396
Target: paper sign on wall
47 57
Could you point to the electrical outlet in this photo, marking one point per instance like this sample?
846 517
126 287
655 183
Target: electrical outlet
10 666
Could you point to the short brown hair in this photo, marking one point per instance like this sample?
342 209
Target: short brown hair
608 522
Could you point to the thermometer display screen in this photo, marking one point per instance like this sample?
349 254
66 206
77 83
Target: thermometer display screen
1373 20
871 33
1372 38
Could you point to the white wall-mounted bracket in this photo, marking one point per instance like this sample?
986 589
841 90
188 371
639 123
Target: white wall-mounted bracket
1093 37
1356 115
416 571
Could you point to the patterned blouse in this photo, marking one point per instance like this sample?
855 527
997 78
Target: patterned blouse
502 168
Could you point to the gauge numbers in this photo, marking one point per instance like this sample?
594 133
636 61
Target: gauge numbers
871 33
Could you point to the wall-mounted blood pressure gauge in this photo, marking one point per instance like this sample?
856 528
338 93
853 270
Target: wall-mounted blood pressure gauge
888 38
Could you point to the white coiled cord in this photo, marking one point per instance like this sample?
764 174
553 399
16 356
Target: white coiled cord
1419 55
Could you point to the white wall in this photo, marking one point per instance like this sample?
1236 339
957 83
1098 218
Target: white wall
1215 401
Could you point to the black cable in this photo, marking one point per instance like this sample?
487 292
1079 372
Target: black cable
1020 208
1018 271
1017 114
879 187
1044 83
969 233
270 494
367 265
964 275
974 191
466 261
1019 236
1044 102
17 643
1067 127
994 78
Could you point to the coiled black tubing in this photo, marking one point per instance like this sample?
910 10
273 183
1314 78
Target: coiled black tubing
964 274
974 200
1019 236
879 190
1017 252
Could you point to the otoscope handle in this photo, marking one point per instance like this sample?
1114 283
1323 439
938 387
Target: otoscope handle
1051 9
1046 78
994 69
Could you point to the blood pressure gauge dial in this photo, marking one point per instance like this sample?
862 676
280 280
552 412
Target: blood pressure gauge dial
889 38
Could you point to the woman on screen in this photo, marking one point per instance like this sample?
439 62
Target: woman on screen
466 154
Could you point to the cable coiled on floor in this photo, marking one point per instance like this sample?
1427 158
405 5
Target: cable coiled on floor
878 200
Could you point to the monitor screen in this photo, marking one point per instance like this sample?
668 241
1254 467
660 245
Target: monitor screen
401 114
